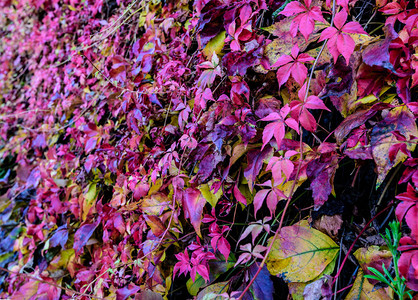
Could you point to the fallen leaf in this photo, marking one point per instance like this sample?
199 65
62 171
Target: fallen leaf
318 289
330 225
296 289
155 204
375 257
301 253
363 290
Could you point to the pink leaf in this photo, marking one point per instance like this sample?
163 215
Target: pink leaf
293 8
239 196
340 19
353 27
224 247
259 199
193 203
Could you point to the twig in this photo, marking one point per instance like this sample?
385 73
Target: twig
355 241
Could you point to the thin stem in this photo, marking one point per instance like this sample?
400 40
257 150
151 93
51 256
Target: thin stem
355 241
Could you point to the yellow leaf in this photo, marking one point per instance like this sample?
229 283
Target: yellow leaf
209 195
355 104
154 188
363 290
366 256
89 199
285 41
155 204
363 39
297 288
301 253
61 260
215 45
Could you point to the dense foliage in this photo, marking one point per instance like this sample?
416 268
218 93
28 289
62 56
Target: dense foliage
182 148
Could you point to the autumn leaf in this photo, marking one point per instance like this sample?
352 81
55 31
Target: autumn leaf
398 119
90 197
321 172
363 290
301 253
263 285
213 291
83 234
280 166
299 109
292 64
193 203
278 126
215 45
306 15
155 204
375 257
255 159
339 40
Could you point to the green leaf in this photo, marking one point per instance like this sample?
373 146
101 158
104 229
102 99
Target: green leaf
194 287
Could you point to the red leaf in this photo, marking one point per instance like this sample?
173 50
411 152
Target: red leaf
193 204
292 65
277 128
224 247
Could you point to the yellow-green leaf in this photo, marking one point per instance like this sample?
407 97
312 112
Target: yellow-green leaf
212 290
215 45
363 290
89 199
301 253
297 288
193 287
209 195
155 204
